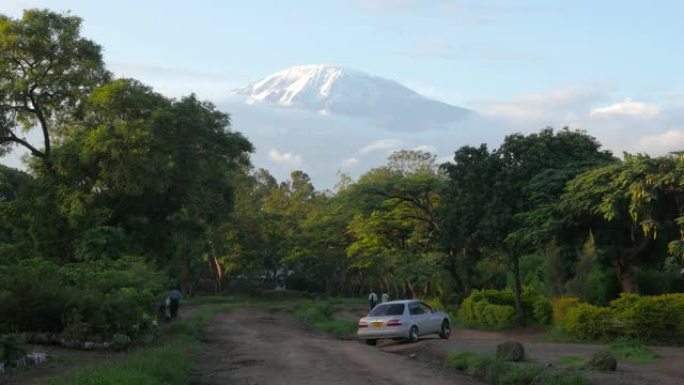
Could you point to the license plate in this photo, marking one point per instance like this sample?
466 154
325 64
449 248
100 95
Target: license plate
377 325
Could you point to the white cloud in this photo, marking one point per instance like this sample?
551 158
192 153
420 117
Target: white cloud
382 144
564 104
350 162
426 148
672 140
287 158
627 107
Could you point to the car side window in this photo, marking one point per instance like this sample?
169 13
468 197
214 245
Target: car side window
414 309
424 308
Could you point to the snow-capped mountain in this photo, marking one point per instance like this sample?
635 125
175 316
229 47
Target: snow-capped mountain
331 90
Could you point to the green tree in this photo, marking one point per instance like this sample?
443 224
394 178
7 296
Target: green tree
630 206
46 71
523 167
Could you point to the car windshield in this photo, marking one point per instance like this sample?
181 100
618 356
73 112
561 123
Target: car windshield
382 310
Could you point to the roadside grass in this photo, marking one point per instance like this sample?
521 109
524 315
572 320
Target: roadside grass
168 363
571 361
319 316
632 351
492 371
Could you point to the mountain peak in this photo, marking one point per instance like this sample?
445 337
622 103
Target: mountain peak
330 89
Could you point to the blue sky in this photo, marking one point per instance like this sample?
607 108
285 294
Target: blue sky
611 67
460 51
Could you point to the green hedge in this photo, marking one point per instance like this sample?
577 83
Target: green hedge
478 311
492 308
647 318
83 299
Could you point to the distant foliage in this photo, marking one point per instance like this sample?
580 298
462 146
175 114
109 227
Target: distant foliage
102 242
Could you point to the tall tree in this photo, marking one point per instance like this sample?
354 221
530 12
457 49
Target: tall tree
629 206
46 71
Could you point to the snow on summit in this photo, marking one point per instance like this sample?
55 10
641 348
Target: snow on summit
332 90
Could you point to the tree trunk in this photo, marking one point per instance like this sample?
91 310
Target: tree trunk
517 292
410 292
626 274
625 262
453 270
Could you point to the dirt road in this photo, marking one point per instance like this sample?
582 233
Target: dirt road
266 346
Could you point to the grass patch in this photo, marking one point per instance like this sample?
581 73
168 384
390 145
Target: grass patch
319 316
166 364
152 366
632 351
492 371
571 361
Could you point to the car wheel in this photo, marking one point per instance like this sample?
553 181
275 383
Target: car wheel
413 334
371 342
445 331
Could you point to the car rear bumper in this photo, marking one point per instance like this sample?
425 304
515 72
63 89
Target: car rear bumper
385 332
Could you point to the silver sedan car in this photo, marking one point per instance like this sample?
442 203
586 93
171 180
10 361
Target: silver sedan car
408 319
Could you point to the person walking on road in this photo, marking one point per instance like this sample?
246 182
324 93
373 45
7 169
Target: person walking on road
384 297
174 302
372 299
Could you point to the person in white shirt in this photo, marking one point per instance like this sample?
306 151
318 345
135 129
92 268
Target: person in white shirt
372 299
385 297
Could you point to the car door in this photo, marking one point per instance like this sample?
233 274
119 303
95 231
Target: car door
418 317
433 319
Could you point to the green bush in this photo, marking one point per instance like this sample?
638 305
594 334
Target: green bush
651 318
588 322
645 318
10 347
100 297
484 309
492 308
561 306
542 311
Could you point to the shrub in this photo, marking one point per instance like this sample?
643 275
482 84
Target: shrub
478 311
10 347
542 311
101 297
492 308
487 308
651 318
561 306
645 318
588 322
